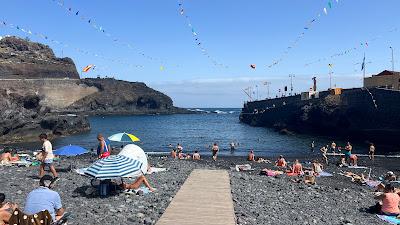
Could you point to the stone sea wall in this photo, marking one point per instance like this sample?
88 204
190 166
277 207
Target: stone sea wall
369 115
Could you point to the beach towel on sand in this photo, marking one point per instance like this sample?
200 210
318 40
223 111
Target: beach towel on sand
324 174
389 219
245 167
141 190
156 170
357 167
372 183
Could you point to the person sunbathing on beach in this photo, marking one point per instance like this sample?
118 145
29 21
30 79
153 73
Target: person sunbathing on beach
196 155
6 157
137 183
389 201
6 209
181 155
342 162
353 160
324 150
317 167
297 168
173 154
309 177
262 160
360 179
281 162
251 156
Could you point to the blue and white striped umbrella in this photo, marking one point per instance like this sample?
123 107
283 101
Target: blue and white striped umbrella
112 167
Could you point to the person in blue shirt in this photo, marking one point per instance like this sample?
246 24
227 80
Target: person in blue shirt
43 198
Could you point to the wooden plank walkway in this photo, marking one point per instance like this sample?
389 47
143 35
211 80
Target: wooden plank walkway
204 198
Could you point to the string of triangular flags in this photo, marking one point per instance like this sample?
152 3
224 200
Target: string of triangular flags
65 45
196 37
362 45
92 23
306 29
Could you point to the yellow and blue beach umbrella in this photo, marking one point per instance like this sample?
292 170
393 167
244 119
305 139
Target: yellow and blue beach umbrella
123 137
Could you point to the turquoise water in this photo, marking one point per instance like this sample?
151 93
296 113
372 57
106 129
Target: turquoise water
198 131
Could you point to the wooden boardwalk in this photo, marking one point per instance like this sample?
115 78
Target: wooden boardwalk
204 198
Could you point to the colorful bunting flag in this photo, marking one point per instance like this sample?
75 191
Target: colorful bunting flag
87 68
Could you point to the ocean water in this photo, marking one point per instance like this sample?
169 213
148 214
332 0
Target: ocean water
198 132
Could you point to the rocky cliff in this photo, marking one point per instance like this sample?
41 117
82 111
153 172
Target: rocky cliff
39 92
23 119
20 59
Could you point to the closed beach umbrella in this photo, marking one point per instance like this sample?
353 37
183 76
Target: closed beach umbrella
112 167
123 137
70 150
137 153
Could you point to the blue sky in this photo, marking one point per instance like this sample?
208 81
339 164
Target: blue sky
235 33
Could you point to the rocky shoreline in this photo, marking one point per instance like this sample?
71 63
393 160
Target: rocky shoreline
257 199
38 91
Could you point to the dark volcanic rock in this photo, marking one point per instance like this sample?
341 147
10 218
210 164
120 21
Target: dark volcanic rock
123 97
37 88
23 119
21 58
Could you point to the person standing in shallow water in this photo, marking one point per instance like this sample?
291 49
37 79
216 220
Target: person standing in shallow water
347 151
312 146
371 153
333 147
215 150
